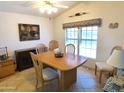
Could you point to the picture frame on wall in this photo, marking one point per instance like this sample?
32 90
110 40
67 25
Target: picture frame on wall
29 32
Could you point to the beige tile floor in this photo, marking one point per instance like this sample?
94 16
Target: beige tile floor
25 81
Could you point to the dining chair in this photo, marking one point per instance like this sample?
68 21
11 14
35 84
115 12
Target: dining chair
43 75
53 44
41 48
104 67
70 48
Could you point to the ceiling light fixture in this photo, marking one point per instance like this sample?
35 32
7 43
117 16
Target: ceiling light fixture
48 6
49 9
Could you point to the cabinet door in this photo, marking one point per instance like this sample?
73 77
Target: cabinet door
7 68
23 59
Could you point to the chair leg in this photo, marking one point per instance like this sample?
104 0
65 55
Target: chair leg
42 86
36 84
95 69
59 86
100 76
114 72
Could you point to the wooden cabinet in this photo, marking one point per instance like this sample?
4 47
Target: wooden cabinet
7 68
23 58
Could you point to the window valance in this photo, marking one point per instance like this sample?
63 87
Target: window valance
91 22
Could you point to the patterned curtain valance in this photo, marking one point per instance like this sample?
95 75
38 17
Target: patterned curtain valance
83 23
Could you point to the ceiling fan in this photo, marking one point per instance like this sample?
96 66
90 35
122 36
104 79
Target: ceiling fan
78 14
52 3
48 6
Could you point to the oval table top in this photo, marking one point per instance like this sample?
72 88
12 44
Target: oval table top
67 62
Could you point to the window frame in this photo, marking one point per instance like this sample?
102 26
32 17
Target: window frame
79 31
74 39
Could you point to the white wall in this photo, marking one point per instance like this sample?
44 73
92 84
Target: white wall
109 12
9 33
107 38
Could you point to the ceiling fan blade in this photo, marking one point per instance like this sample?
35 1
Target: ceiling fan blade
27 4
61 6
31 4
37 5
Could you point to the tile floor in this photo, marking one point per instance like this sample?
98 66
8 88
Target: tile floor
25 81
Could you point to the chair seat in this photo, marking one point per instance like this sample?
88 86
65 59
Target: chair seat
49 74
104 66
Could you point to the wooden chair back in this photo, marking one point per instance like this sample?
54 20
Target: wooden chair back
115 48
40 48
38 67
53 44
70 48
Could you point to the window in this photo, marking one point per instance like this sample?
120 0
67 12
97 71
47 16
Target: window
88 41
72 37
84 39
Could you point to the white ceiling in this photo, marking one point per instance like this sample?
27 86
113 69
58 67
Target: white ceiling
23 8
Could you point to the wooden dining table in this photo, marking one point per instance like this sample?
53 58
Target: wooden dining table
67 65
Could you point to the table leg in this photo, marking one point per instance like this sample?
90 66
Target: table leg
95 69
68 78
100 76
